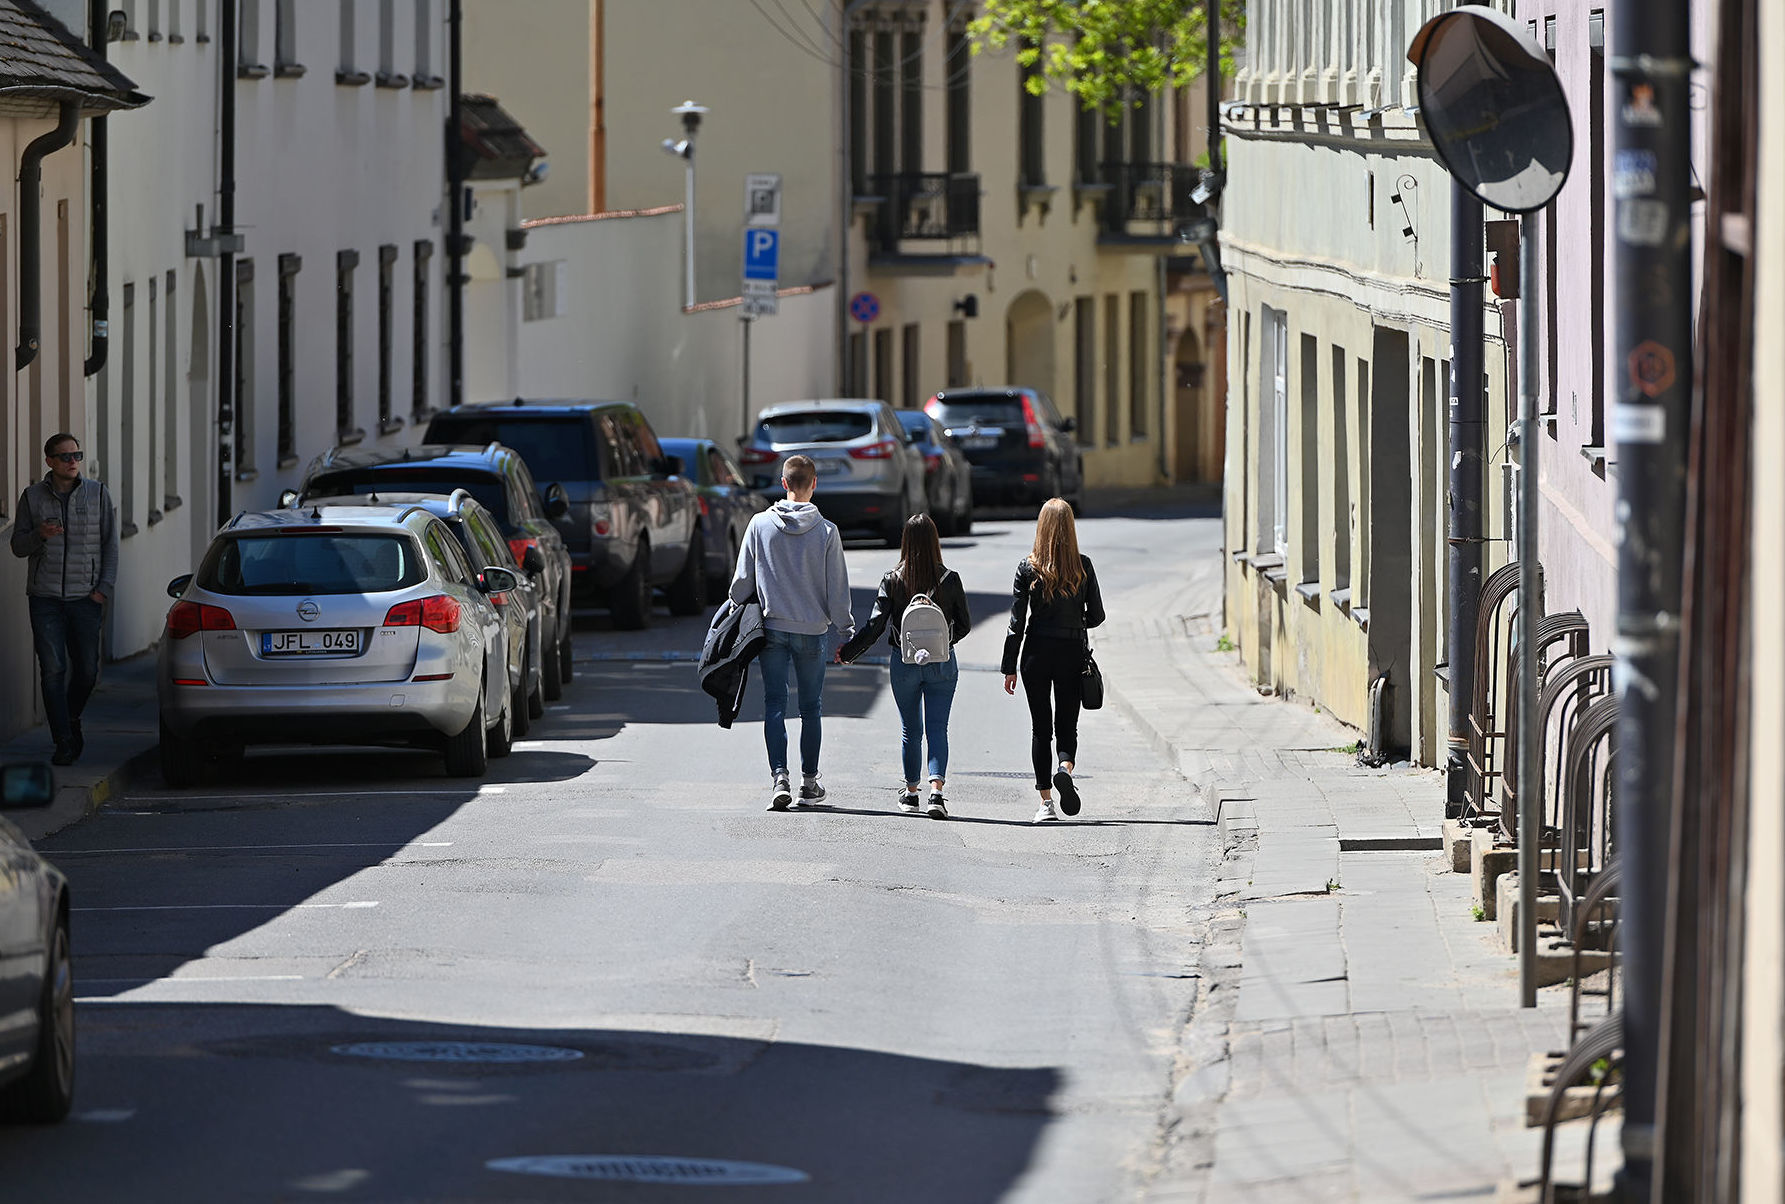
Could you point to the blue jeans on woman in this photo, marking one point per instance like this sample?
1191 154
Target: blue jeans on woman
925 694
804 657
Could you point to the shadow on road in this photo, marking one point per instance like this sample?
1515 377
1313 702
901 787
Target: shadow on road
247 1102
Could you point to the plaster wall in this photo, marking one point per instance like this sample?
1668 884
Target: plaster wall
539 60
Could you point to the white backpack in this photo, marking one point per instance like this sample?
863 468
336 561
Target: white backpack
923 632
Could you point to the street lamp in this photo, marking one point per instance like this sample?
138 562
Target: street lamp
690 113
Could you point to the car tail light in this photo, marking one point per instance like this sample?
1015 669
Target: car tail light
931 462
518 547
703 507
1037 437
882 450
933 407
757 455
187 618
437 613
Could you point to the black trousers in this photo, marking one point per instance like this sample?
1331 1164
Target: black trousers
1053 672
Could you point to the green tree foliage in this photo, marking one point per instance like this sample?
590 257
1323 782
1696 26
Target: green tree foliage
1109 52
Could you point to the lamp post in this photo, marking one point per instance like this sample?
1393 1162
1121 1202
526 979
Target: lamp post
690 113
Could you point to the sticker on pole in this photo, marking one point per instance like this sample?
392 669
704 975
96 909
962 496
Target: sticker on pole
649 1168
457 1051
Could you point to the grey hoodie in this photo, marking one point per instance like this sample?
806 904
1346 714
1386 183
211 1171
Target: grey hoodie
792 561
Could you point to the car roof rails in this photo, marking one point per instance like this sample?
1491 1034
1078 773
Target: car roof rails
239 515
459 498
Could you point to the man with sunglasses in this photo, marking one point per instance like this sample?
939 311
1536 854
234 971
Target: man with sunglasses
67 526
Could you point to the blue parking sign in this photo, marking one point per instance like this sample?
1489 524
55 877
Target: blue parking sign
762 254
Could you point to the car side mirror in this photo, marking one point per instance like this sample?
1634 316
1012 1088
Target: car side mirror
288 498
26 785
498 580
178 585
557 504
1068 425
533 560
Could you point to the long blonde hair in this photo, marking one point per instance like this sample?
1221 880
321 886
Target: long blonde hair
1055 557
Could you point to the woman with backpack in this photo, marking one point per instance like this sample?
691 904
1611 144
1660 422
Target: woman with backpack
926 606
1055 604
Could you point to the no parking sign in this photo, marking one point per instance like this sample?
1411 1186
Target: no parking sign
864 307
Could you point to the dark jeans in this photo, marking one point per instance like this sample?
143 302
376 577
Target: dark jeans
925 694
802 656
1053 668
66 635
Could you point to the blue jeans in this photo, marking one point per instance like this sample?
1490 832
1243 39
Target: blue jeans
925 694
66 635
804 656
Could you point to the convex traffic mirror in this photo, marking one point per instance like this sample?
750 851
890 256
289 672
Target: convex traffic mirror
1494 108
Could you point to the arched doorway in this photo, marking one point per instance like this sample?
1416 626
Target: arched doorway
1189 384
1029 339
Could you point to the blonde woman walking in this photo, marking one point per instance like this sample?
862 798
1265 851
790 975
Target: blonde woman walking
1055 603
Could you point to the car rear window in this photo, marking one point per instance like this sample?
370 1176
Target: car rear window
555 448
313 564
815 426
420 479
966 410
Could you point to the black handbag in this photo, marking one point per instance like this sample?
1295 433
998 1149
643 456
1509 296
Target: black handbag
1091 688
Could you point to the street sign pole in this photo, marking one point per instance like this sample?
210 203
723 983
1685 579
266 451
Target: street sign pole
762 263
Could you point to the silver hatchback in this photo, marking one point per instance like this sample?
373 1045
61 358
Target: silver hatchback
870 473
335 625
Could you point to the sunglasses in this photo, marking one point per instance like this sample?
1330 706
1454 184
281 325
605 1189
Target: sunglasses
69 457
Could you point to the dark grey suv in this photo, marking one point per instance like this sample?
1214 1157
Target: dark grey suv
633 523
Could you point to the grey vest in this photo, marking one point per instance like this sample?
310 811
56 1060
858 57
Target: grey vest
84 557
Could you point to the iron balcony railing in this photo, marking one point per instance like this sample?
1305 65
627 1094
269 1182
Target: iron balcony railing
925 206
1149 199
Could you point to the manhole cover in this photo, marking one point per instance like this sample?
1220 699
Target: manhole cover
648 1168
457 1051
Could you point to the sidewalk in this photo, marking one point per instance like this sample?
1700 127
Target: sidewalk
1357 1035
122 731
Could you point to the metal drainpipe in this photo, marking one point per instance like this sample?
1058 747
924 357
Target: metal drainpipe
226 259
845 200
99 308
30 231
455 223
1467 447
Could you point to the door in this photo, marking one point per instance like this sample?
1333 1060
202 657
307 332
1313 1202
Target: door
21 947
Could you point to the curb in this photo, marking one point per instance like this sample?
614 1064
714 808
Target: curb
75 803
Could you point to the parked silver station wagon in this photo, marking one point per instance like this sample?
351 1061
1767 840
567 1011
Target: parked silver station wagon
335 625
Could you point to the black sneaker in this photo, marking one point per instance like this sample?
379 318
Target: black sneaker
812 791
936 808
76 740
1068 792
908 801
65 753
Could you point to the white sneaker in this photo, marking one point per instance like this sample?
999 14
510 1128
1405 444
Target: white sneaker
783 795
908 802
1045 814
811 790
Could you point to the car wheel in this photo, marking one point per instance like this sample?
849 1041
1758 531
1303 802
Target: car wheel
688 592
182 759
630 600
719 584
536 699
550 684
468 753
500 741
517 702
894 532
46 1092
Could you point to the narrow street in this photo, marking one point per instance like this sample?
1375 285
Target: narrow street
898 1008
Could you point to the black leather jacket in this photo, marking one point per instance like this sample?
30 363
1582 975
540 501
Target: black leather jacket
1067 617
889 608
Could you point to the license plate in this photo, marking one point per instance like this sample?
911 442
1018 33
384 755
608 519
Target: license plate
979 442
308 643
828 468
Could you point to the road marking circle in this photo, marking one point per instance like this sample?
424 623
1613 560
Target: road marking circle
648 1168
457 1051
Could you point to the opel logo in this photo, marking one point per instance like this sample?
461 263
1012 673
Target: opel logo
308 610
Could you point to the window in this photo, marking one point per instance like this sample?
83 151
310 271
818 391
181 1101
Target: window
418 399
1308 538
448 557
1360 594
345 430
248 64
858 111
424 45
858 363
126 457
1084 363
1112 369
883 365
170 392
1139 116
1140 376
155 36
1085 164
174 36
153 381
1596 168
131 33
910 371
911 100
326 563
387 271
959 103
957 353
387 47
1344 521
1032 156
243 418
886 61
542 290
289 266
201 21
347 71
285 59
1273 441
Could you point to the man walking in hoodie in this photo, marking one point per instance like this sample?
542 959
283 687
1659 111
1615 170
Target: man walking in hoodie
792 563
68 528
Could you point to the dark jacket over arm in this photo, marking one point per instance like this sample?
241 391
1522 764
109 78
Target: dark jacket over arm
889 608
1066 618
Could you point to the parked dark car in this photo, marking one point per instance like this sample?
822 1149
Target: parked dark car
948 478
498 478
36 963
870 475
1021 450
633 524
726 504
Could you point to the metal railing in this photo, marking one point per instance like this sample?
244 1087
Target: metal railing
1153 196
1569 629
925 206
1491 706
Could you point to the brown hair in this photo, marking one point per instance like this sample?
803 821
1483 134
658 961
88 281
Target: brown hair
799 472
56 440
920 556
1055 557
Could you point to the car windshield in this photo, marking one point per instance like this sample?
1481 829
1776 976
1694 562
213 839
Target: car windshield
301 563
815 426
555 448
420 479
964 411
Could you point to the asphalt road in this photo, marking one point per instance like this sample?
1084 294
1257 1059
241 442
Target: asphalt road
885 1007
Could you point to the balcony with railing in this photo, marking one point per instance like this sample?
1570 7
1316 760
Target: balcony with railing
925 215
1147 203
